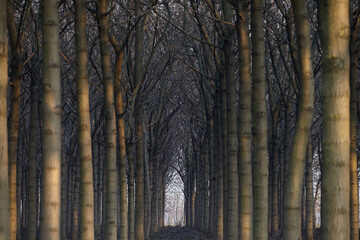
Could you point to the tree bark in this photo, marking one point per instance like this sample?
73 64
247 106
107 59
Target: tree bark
295 174
131 205
51 132
13 135
244 125
232 166
119 107
4 157
335 188
259 115
110 123
309 219
139 119
354 189
34 120
86 220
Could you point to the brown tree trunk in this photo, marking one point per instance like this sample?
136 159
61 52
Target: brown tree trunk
86 219
110 123
295 174
51 126
354 190
4 160
335 188
244 125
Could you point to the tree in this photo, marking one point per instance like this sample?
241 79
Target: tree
244 125
84 138
259 116
16 66
139 121
295 173
354 190
232 166
335 209
110 122
4 160
51 127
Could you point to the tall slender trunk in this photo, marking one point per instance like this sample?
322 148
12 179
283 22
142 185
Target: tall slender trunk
64 177
224 149
155 193
212 177
335 188
147 194
232 166
295 173
205 194
139 119
4 160
76 200
86 221
110 123
131 186
119 106
34 120
13 135
218 164
354 190
51 131
309 219
274 167
259 115
244 125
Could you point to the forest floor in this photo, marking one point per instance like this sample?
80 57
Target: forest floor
177 233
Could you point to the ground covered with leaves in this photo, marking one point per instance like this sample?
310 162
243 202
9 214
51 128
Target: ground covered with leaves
177 233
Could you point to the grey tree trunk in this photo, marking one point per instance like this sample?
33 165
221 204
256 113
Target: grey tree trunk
309 219
131 205
139 119
232 166
51 125
259 115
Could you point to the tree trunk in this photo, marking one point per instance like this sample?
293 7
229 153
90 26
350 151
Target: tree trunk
119 106
218 165
354 190
86 221
51 132
4 160
34 120
131 205
232 166
274 168
76 201
259 115
335 188
139 119
13 135
295 174
309 221
110 123
244 125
